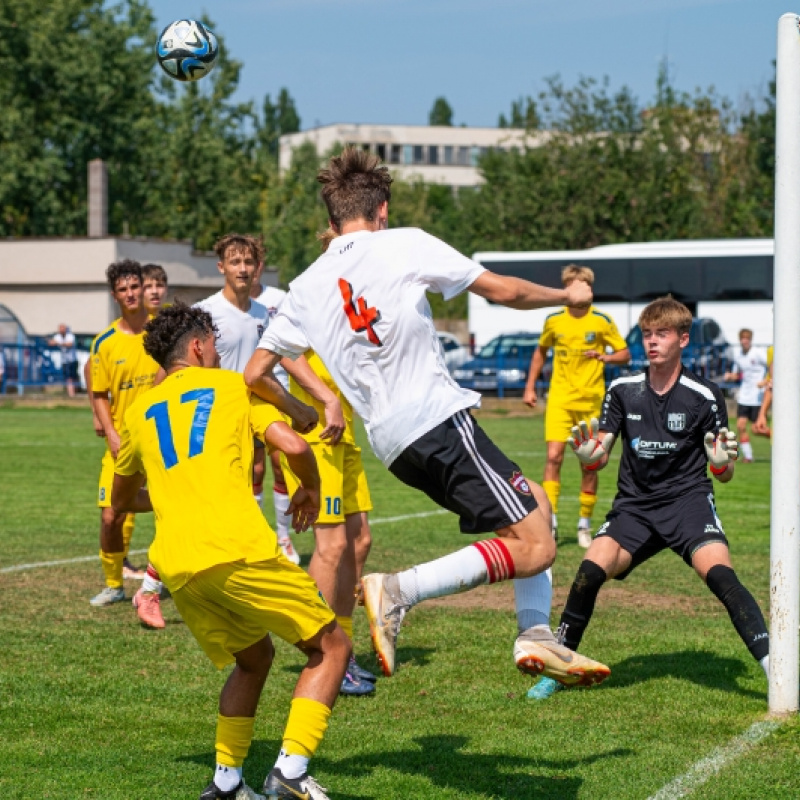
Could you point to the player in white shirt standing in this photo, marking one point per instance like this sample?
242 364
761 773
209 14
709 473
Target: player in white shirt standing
750 366
362 308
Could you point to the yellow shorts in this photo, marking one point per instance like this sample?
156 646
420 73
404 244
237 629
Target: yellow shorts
343 480
230 607
106 481
558 420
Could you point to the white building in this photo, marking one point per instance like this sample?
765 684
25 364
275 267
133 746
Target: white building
45 282
434 154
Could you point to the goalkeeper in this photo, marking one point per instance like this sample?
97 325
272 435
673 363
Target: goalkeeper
673 426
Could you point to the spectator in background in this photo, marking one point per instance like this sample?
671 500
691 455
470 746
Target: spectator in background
64 340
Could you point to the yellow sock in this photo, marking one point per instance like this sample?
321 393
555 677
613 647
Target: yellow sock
307 723
587 502
112 568
127 532
552 489
234 735
346 624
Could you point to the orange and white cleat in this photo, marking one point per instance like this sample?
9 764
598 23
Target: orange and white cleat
148 609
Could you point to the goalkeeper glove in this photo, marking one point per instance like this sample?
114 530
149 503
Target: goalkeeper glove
587 446
721 450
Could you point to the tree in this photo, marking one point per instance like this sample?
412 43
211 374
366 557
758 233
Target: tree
278 118
76 86
523 115
441 113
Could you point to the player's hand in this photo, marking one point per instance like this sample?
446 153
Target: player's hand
304 418
761 426
304 509
113 443
529 397
579 294
721 450
334 423
98 427
587 445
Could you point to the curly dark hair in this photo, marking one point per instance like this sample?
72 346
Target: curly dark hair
167 335
354 185
127 268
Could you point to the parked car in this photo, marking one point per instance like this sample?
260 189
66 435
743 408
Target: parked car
708 353
501 365
455 353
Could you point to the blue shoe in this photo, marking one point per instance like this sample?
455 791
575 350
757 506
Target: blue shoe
357 671
354 687
544 688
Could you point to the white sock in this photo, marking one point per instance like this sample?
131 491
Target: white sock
281 501
291 766
747 449
585 522
554 522
151 584
465 569
765 665
227 778
532 599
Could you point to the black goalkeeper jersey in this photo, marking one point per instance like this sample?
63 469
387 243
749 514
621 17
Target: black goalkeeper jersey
663 456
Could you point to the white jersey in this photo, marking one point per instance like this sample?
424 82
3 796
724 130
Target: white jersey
361 306
238 331
753 368
272 297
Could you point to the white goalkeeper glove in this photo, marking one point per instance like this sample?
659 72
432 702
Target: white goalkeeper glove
586 444
721 450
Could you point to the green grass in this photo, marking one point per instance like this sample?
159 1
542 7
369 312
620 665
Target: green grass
92 705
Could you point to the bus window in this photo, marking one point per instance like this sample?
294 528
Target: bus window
656 277
738 278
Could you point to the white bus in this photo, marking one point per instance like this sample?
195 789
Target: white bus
729 280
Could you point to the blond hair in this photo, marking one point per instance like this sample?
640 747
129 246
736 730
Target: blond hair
573 272
666 312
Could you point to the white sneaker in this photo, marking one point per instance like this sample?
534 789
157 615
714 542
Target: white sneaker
288 549
554 526
108 597
584 537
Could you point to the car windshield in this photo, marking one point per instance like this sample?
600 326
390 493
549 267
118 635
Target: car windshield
509 346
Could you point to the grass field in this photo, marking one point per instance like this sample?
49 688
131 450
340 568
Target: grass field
93 705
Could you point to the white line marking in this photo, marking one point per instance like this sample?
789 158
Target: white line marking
719 758
80 559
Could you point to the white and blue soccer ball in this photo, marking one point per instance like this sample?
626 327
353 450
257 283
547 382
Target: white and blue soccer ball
187 50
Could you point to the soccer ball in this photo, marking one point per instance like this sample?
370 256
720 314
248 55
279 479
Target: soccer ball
187 50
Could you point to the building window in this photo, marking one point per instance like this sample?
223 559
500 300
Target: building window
433 154
419 154
475 154
366 147
380 151
462 158
408 152
396 153
448 154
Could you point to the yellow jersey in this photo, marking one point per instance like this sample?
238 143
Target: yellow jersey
121 367
578 381
192 436
315 362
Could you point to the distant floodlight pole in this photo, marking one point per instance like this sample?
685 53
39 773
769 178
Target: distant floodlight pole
784 678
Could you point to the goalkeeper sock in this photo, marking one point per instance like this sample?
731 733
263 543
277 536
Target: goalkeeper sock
580 604
742 609
765 665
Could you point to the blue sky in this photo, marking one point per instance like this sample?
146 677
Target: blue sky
385 61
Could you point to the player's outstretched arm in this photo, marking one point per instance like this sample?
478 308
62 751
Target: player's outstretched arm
590 445
260 380
308 380
722 451
522 294
128 495
305 503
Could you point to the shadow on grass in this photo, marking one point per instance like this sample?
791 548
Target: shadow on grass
698 666
442 761
405 657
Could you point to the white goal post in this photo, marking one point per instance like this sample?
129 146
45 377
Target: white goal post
784 678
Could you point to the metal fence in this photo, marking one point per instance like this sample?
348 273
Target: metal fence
33 365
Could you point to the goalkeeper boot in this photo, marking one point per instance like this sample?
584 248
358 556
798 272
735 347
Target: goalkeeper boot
108 596
380 595
304 787
148 609
544 689
536 651
241 792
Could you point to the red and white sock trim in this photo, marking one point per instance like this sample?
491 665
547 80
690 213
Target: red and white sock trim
499 563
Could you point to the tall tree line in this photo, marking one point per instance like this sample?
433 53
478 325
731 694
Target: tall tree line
79 82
